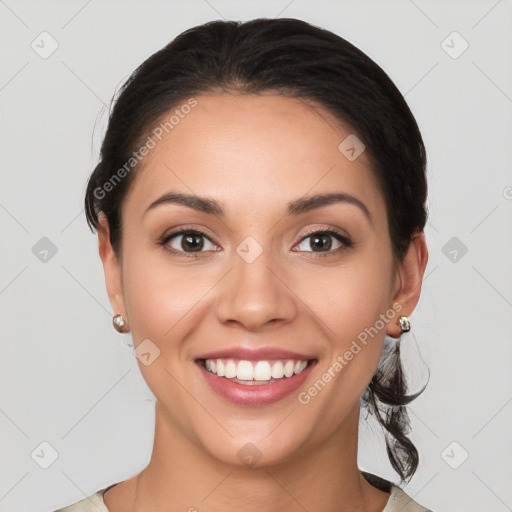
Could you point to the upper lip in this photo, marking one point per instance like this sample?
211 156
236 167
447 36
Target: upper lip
259 354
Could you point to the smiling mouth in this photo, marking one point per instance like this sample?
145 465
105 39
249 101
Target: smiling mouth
253 373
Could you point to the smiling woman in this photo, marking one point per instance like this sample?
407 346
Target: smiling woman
264 251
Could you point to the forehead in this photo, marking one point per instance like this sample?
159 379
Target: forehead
253 150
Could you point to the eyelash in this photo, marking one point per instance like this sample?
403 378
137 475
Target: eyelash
344 239
165 240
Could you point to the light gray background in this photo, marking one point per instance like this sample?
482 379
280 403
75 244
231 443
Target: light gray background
66 378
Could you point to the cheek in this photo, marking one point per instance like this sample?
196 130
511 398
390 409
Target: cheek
162 298
349 298
163 302
353 324
354 306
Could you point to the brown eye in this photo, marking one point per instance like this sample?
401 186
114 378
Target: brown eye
188 241
323 241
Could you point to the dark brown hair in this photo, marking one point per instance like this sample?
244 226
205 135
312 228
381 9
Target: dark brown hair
295 59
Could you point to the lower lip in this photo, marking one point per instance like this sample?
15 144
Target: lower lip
255 395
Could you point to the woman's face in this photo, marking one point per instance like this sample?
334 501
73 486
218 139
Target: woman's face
262 278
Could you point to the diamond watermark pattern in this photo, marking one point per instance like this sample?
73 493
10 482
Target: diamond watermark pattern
146 352
44 250
454 455
454 250
44 455
352 147
44 45
249 249
249 454
454 45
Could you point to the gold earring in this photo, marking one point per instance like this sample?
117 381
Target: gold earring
119 323
405 325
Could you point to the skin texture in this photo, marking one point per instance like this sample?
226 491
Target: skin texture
254 154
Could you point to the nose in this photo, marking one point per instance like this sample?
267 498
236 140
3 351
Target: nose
255 295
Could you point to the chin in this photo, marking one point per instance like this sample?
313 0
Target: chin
253 453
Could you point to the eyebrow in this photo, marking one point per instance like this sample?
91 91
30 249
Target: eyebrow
296 207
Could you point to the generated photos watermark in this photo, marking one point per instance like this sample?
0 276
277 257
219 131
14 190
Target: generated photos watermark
150 143
342 360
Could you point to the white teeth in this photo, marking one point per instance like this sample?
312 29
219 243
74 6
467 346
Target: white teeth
288 368
230 370
254 371
262 371
278 370
244 370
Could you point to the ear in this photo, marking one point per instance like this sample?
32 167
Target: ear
111 268
409 276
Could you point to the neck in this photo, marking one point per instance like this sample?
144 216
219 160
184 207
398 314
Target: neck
180 476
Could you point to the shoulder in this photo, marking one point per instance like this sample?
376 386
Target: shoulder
399 500
93 503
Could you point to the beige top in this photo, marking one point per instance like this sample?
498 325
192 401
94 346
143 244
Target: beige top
398 500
